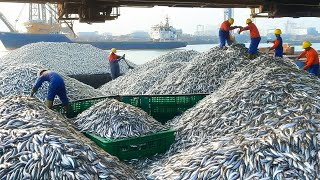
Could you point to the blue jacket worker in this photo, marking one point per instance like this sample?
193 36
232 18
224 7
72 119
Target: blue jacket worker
56 87
277 44
114 63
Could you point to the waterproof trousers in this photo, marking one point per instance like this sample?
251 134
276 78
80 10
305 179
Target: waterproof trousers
115 69
278 53
314 69
60 90
224 36
253 48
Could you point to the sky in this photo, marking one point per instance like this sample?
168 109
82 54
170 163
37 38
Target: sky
137 19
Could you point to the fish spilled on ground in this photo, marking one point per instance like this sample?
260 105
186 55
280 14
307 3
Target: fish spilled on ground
19 79
61 56
37 143
144 77
113 119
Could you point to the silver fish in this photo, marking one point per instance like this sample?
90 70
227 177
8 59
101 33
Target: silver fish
49 148
113 119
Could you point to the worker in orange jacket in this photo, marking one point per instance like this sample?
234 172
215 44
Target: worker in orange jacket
277 44
255 38
312 62
114 63
224 34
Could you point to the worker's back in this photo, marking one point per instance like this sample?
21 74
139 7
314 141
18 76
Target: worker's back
52 77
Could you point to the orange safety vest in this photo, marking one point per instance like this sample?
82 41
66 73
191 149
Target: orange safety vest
312 57
113 57
254 32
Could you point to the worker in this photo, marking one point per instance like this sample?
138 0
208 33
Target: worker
277 44
255 38
312 62
114 63
56 87
224 34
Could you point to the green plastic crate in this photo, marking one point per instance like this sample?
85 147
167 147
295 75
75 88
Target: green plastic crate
160 107
163 107
78 107
130 148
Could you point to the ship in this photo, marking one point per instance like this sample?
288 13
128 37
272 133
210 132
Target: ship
12 40
162 36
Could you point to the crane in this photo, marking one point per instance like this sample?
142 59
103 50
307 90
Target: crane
18 17
7 23
53 13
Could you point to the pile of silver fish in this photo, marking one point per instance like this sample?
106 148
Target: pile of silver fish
19 80
67 58
37 143
205 73
263 123
289 152
200 73
115 120
143 78
244 101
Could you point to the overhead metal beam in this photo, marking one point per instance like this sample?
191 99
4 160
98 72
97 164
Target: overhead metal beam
100 10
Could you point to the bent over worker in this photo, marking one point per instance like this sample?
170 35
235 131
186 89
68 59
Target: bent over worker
224 34
277 44
56 87
255 38
312 62
114 63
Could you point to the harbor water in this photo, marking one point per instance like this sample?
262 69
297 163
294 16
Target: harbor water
143 56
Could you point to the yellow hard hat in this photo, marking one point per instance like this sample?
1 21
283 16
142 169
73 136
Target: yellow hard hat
231 20
248 21
306 44
277 31
114 50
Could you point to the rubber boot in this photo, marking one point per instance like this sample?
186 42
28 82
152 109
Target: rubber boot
248 55
252 56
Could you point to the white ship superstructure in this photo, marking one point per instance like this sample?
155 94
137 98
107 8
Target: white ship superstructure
164 32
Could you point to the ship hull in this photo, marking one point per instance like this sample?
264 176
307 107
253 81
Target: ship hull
16 40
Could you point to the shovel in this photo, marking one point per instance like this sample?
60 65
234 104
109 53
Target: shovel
130 67
123 57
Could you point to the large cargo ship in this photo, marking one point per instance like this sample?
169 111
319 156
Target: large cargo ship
11 40
39 29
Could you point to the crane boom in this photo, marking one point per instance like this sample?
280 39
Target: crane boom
6 22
